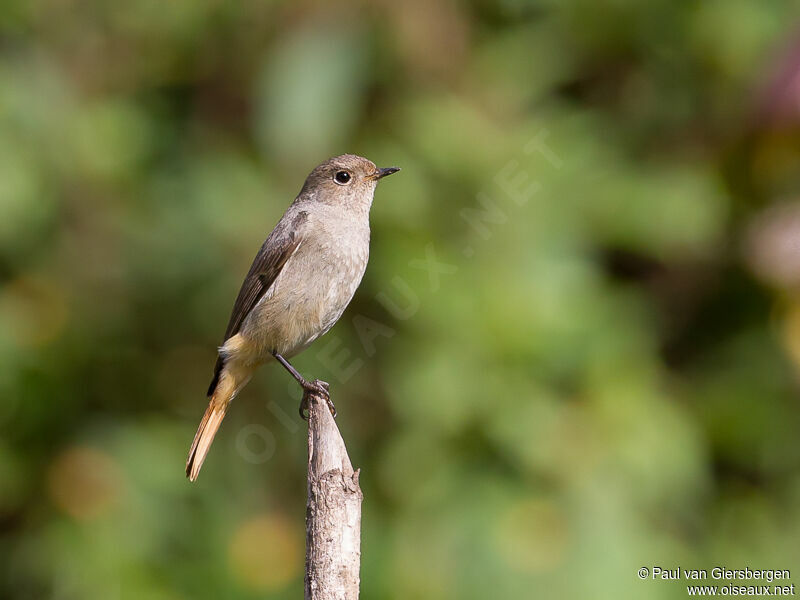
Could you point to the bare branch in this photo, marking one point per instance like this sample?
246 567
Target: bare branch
333 510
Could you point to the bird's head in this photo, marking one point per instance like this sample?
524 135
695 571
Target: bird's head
346 180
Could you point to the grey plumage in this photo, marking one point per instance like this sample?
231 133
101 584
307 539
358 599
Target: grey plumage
267 265
299 284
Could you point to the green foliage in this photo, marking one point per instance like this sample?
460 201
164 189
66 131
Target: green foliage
568 358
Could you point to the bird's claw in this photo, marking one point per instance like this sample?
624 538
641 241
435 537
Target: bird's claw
320 388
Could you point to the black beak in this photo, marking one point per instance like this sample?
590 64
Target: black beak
386 171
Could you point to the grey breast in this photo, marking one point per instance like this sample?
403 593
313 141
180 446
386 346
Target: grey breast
316 284
337 255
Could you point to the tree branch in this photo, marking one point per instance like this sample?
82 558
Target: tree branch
333 510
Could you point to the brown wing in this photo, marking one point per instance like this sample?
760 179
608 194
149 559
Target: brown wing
267 265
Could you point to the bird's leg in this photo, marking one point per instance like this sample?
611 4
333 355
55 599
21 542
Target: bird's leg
316 387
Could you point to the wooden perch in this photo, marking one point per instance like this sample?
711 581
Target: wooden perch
333 510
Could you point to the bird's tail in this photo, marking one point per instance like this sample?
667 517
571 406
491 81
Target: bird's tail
224 392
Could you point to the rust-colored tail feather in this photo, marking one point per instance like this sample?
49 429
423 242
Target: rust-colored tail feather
212 419
224 392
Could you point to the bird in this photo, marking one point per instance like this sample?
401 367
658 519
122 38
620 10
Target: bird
301 280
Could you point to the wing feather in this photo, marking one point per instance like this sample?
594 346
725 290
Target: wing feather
278 248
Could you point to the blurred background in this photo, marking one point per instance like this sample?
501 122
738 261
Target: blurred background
576 348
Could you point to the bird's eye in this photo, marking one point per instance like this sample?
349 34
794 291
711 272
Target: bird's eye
342 177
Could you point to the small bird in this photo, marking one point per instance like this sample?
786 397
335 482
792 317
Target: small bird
299 284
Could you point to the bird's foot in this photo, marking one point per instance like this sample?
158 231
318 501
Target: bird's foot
320 388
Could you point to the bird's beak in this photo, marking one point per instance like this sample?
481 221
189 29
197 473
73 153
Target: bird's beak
386 171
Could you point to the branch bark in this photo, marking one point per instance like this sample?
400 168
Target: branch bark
333 510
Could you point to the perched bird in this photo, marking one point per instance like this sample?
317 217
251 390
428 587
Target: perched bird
299 284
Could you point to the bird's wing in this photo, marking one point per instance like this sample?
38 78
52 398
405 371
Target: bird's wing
281 244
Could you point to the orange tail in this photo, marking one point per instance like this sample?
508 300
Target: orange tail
220 400
203 438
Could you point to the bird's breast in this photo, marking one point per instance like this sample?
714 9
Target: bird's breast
310 294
